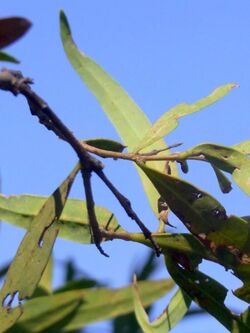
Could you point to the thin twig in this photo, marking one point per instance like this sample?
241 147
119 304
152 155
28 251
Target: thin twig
95 231
126 204
14 82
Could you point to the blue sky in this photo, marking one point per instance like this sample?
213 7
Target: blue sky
163 53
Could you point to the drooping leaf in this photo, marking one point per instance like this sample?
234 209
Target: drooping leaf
128 119
169 120
227 238
226 159
106 144
224 182
7 57
12 28
73 222
33 253
207 293
243 147
93 305
175 311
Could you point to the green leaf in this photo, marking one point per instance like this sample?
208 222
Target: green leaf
169 120
93 305
45 284
7 57
34 251
175 311
128 119
106 144
243 147
73 222
224 182
179 243
207 293
226 159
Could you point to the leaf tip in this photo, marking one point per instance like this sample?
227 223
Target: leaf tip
64 23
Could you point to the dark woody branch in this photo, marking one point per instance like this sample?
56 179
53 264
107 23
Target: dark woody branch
14 82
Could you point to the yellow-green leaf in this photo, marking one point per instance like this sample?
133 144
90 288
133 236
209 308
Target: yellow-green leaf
169 120
128 119
174 312
34 251
73 222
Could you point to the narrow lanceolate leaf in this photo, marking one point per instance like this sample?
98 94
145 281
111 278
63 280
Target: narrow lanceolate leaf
226 159
243 147
128 119
208 294
73 223
224 182
93 305
169 120
7 57
175 311
33 253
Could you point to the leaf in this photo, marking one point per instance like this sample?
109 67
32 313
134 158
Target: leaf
243 147
45 284
182 243
207 293
175 311
94 306
33 253
12 28
7 57
73 222
224 182
128 119
128 323
226 159
169 120
106 144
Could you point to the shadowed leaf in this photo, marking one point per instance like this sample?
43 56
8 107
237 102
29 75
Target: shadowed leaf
106 144
207 293
7 57
224 182
33 253
12 28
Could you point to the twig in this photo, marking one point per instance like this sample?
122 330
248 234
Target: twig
14 82
95 231
126 204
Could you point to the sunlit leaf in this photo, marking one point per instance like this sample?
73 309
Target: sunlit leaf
226 159
128 119
169 120
207 293
12 28
93 305
175 311
243 147
73 222
34 251
7 57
